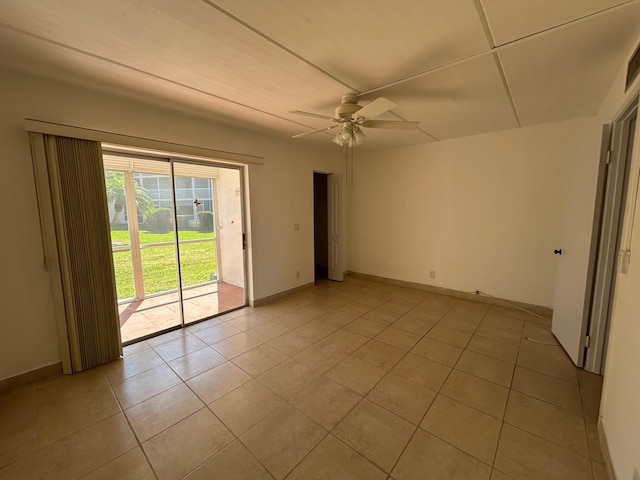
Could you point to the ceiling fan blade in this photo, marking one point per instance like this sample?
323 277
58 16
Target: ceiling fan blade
375 108
315 131
308 114
399 125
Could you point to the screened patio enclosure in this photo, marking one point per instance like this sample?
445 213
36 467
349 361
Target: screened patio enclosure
177 241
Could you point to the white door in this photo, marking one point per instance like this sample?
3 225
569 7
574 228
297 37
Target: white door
573 277
334 194
585 280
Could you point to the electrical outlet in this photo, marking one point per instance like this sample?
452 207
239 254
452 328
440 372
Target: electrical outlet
297 273
296 226
636 475
432 274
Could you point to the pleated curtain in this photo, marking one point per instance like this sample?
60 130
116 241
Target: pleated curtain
82 237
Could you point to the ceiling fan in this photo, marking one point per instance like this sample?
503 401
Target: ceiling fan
350 117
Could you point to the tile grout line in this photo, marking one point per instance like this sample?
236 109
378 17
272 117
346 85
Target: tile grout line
135 435
506 405
474 408
356 405
550 376
287 401
409 351
428 409
393 466
35 412
184 382
207 406
568 412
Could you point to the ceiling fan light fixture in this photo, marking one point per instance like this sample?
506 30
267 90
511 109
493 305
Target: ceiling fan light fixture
346 134
338 141
350 136
344 137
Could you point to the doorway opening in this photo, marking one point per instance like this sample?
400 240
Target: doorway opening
177 241
320 226
327 215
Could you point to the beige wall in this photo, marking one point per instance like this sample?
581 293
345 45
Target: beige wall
281 194
483 212
620 407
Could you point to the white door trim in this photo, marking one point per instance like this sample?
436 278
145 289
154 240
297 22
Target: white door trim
334 210
609 238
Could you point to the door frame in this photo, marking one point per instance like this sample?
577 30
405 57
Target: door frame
334 214
613 183
243 216
170 159
320 226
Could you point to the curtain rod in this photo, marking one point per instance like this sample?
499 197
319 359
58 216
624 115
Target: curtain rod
60 129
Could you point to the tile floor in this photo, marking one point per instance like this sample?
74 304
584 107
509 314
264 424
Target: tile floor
357 380
144 317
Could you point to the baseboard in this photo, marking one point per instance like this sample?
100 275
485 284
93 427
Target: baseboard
606 453
258 302
503 302
31 377
543 311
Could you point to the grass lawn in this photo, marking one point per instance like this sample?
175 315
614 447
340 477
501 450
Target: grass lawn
159 263
121 237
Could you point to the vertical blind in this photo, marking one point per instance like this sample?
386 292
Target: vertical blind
79 206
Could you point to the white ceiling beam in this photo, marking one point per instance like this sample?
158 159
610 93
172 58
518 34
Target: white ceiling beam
499 48
482 14
276 43
145 73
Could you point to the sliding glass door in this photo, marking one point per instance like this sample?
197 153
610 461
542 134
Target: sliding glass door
176 226
209 218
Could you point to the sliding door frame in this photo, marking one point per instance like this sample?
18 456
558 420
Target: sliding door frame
241 182
171 160
120 143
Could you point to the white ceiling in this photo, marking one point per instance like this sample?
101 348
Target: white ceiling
459 67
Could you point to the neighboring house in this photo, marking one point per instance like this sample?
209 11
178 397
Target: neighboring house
188 189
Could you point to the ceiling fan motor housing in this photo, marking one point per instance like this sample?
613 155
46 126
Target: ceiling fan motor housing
350 116
349 106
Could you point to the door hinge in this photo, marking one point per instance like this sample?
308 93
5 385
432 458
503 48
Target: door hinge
587 341
608 157
244 241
